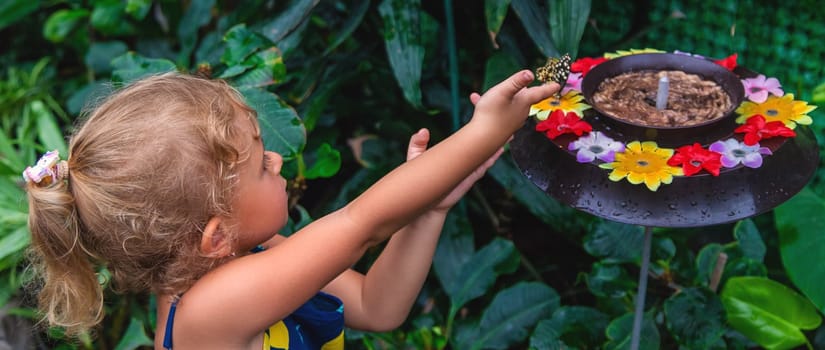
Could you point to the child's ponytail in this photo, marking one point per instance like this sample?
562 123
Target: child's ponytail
69 293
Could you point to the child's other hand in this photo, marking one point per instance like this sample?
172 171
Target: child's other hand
508 103
417 146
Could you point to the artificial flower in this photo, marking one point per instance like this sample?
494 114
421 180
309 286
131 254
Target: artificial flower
777 108
643 162
756 129
569 102
560 123
694 158
574 83
757 89
595 145
584 64
728 62
684 53
621 53
734 152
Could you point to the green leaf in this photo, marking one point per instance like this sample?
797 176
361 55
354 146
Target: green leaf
767 312
750 242
695 317
353 20
107 17
197 15
13 10
242 43
14 242
267 68
620 331
403 37
48 131
478 274
135 336
281 129
455 248
61 23
131 66
615 242
800 225
512 312
567 21
494 13
327 163
706 261
287 21
499 67
292 226
611 281
570 326
529 12
544 207
138 9
100 55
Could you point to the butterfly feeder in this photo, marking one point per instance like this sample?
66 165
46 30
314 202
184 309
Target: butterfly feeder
658 139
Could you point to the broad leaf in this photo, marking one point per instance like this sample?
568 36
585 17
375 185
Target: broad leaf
570 326
358 10
610 281
499 67
750 242
327 162
615 242
531 15
479 273
281 129
494 12
767 312
544 207
135 336
240 44
197 15
48 132
287 21
695 317
801 225
267 68
456 247
404 44
13 10
62 22
567 21
512 312
100 55
620 333
131 66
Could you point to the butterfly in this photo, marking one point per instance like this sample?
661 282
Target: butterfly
555 70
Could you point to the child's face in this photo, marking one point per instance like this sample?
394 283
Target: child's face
261 206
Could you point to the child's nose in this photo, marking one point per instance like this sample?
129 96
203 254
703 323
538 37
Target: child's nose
276 161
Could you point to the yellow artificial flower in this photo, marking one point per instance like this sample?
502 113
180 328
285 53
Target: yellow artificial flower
643 162
776 108
620 53
569 102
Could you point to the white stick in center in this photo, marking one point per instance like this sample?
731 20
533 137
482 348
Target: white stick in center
661 94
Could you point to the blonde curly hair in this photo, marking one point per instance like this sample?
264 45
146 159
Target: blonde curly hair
147 169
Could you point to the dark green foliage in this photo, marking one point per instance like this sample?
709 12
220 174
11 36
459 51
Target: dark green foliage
341 85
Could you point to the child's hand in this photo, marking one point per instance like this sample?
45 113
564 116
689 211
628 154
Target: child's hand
418 144
508 103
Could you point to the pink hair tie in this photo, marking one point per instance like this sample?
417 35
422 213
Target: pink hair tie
48 169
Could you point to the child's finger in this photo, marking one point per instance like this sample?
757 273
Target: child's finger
418 143
474 97
515 83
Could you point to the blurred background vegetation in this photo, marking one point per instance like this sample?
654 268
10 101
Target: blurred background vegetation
343 84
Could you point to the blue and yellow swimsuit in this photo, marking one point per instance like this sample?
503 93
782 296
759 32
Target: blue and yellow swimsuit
318 324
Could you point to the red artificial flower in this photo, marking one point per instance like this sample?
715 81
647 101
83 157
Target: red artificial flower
728 62
756 129
695 158
584 64
558 123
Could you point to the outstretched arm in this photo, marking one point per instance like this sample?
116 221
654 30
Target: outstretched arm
382 299
253 292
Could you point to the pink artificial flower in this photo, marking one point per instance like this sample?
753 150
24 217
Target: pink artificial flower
574 82
757 89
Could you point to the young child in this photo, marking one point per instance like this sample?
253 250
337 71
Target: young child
168 186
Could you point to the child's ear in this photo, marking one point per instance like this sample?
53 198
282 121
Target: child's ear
213 242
